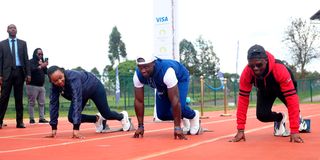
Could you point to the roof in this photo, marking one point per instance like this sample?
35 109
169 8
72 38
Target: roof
316 16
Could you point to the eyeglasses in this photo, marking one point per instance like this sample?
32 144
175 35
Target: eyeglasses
40 54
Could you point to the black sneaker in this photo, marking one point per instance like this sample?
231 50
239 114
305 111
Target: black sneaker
105 126
20 125
32 121
43 121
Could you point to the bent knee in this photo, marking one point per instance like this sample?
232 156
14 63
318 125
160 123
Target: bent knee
263 118
164 117
70 119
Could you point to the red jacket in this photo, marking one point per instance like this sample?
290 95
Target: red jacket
282 83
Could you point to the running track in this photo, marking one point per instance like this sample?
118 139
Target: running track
158 142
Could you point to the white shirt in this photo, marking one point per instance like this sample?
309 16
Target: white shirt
170 79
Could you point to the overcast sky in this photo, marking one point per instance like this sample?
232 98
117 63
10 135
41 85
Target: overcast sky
75 33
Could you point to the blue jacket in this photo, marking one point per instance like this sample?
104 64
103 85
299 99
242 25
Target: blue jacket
79 85
160 68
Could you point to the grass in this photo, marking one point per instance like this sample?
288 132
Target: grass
63 112
64 107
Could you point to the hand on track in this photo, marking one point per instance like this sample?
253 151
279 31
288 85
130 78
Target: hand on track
295 138
238 137
179 134
139 132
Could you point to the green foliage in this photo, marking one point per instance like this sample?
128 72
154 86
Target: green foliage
96 73
125 71
308 75
202 61
188 57
312 75
308 91
209 62
78 69
117 47
231 75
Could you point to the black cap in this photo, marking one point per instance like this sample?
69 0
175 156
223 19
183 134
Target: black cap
256 52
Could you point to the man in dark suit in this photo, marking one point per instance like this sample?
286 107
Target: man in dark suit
14 70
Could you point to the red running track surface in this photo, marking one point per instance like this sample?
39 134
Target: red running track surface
158 141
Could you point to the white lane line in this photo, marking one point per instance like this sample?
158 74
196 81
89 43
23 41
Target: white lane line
65 143
49 131
79 141
64 131
130 134
251 115
206 141
197 144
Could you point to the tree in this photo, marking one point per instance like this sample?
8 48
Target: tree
301 39
117 48
209 62
105 71
313 75
96 73
125 70
292 68
188 57
79 68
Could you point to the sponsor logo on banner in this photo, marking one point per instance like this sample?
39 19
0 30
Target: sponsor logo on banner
162 32
163 50
165 30
162 19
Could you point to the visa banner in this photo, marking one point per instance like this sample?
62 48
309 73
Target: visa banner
165 29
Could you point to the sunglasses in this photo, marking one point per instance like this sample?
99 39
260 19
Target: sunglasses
258 65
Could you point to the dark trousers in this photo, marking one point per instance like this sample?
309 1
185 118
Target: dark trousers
15 80
164 108
99 98
264 106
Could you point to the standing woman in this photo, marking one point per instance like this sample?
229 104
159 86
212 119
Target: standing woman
79 87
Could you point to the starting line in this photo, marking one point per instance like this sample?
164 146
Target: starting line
207 141
151 155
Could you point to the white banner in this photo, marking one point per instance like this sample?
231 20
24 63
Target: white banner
165 33
117 86
165 29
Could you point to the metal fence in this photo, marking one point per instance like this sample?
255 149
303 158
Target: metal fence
308 91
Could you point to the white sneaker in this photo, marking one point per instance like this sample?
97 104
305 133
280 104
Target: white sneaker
280 127
98 124
125 121
195 123
186 125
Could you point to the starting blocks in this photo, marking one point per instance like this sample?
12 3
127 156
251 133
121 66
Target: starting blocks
305 126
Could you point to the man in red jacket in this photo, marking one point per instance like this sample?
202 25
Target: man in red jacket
272 80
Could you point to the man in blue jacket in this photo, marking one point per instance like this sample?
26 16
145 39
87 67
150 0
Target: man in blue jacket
171 81
79 87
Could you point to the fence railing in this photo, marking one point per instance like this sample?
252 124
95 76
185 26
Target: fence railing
308 91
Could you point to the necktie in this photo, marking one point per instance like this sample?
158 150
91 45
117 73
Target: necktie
13 51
